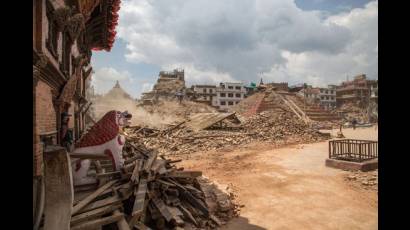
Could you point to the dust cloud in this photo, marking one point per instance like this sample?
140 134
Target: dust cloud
140 116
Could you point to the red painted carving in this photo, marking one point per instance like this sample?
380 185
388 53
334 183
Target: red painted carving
103 131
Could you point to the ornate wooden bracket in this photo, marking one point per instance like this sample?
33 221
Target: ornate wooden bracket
42 61
75 25
61 16
36 74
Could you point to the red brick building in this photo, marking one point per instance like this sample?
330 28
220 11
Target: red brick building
64 33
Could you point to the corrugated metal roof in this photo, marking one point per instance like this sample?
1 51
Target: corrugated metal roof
201 121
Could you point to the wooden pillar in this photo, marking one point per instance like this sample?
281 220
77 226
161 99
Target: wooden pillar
36 140
59 188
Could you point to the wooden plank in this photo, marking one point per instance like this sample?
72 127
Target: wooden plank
190 174
139 150
132 159
89 156
215 219
135 173
93 213
150 161
129 167
141 226
91 197
58 188
139 203
191 199
116 173
165 212
121 224
98 222
101 203
140 197
187 214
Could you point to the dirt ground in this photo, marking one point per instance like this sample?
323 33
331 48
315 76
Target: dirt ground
290 187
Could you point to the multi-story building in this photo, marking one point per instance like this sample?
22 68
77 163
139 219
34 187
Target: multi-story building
64 33
310 94
374 89
327 97
168 86
356 91
229 94
204 94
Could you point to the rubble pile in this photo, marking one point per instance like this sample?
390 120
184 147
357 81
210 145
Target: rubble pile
351 111
180 110
244 105
150 191
268 126
366 180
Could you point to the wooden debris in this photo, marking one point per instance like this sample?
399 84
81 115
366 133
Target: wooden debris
150 161
121 224
91 197
98 222
155 193
135 173
93 213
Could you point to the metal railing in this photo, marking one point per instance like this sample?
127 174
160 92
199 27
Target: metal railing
353 150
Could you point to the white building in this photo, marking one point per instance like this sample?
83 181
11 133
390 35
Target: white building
229 94
205 94
327 97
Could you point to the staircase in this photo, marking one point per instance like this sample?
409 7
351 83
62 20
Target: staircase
311 112
318 114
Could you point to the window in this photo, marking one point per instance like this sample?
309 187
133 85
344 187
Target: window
223 94
237 102
322 97
230 87
223 103
230 94
204 90
230 102
327 91
210 90
238 87
238 95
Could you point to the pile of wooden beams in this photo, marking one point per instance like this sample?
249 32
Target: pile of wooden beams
151 192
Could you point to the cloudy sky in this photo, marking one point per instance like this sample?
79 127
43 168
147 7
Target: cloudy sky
296 41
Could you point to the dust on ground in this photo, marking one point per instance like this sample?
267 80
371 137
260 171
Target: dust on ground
290 187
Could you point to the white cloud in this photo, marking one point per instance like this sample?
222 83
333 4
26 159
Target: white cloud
359 56
237 39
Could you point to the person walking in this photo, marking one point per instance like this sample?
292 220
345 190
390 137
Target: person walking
354 123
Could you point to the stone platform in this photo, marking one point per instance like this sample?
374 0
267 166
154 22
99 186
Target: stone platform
350 165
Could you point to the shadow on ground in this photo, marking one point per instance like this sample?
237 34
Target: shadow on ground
240 223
